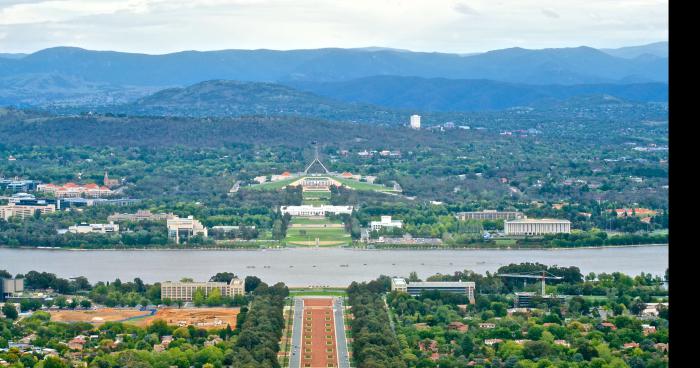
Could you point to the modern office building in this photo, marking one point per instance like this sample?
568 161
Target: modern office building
9 287
416 288
181 229
315 211
415 122
385 222
185 290
17 185
489 215
537 227
25 210
94 228
523 300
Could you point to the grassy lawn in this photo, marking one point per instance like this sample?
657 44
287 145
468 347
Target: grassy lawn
316 198
317 292
358 185
275 185
327 236
337 235
312 221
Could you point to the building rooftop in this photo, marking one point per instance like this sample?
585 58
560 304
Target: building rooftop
537 221
439 284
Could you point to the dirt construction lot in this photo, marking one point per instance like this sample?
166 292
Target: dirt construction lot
207 318
98 316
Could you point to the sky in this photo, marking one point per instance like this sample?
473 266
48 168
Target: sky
456 26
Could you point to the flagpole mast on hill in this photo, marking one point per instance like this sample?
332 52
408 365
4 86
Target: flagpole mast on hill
316 160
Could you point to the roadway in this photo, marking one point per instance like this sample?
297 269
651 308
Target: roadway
341 341
297 322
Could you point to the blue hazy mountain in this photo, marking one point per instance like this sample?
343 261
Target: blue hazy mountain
579 65
371 100
657 49
440 94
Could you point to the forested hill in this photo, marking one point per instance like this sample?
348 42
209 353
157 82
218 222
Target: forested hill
221 98
441 94
375 100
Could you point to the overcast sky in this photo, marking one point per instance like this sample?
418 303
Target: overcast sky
461 26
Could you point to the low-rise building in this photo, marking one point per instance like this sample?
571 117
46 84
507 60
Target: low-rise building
10 287
140 215
315 211
18 185
537 226
182 229
489 215
185 290
72 190
25 211
637 212
416 288
406 239
94 228
385 222
523 299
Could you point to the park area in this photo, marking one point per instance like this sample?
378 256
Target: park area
316 231
206 318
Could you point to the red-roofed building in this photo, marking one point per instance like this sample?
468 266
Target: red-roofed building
72 190
637 212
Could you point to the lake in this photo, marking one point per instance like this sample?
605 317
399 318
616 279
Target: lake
317 266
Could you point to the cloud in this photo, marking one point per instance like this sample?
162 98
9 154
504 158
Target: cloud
161 26
550 13
464 8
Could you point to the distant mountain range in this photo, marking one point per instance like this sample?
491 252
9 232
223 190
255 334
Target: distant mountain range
372 100
66 76
656 49
440 94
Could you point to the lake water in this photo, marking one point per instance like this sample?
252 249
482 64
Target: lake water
317 266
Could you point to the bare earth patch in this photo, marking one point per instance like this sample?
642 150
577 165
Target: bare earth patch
207 318
98 316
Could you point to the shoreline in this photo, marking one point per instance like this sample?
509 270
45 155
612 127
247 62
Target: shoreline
347 248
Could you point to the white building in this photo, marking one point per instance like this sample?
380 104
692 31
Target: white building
181 229
417 288
537 226
385 222
185 290
415 122
309 210
94 228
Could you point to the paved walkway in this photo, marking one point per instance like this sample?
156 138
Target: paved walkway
318 334
297 321
341 339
